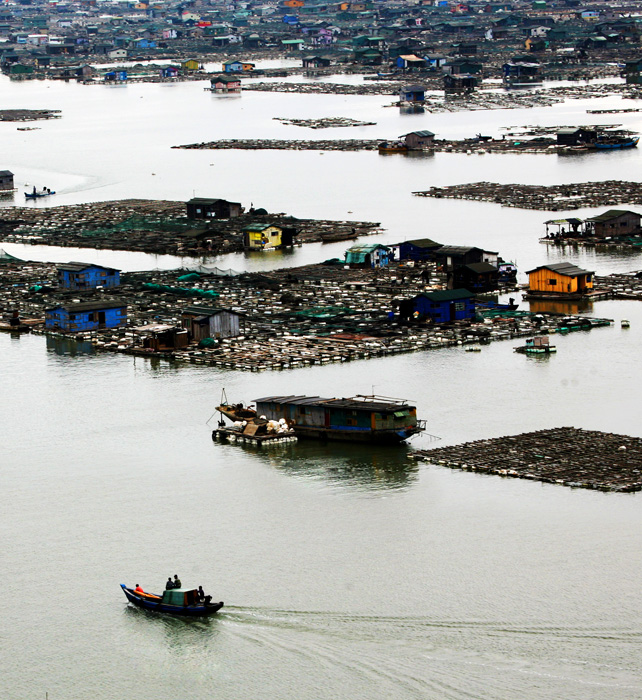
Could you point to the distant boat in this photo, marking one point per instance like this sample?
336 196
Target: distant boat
538 345
36 195
616 143
176 601
392 147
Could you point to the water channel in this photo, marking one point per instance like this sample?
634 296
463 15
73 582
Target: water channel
347 571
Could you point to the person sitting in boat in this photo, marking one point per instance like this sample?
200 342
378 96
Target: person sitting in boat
138 589
177 581
170 584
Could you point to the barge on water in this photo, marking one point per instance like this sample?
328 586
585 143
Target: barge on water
372 419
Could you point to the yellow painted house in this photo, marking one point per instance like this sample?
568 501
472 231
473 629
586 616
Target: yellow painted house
560 278
190 64
260 236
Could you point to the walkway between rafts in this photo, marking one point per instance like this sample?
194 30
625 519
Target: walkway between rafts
569 456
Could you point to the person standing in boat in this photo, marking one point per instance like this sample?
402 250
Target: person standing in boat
170 584
177 582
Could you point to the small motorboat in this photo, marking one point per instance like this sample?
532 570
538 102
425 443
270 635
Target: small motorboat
175 601
36 195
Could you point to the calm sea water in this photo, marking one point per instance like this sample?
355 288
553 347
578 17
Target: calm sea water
346 571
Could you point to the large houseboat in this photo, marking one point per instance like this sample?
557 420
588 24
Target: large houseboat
373 419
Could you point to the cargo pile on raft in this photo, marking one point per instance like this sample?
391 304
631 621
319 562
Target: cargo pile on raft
548 197
568 456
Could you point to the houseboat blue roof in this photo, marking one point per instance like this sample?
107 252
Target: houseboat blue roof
90 306
364 403
79 267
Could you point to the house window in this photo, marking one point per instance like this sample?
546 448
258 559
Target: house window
553 283
459 306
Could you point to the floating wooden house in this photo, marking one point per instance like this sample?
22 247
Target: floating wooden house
237 66
559 279
6 180
413 93
478 277
78 276
368 255
262 236
441 306
206 322
315 62
575 136
419 140
614 222
209 208
417 249
225 83
161 337
88 316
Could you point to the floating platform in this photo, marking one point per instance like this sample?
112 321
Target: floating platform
568 456
236 436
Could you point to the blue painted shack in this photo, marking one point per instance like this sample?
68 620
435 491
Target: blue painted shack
417 249
413 93
442 306
372 255
79 276
86 316
115 76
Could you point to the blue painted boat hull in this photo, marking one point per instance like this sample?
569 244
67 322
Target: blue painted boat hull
158 606
629 143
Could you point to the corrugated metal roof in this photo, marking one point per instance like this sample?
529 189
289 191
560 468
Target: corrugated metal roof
350 403
564 268
447 295
90 306
612 214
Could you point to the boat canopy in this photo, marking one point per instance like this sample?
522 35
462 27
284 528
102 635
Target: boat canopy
180 596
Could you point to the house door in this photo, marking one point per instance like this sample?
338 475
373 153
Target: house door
101 319
327 418
451 311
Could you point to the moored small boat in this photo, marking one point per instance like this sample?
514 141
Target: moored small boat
614 143
176 601
539 345
392 147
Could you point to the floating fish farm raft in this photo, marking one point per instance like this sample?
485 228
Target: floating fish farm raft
568 456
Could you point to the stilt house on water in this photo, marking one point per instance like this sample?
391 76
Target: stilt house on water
370 255
79 276
559 279
360 418
204 322
207 208
441 306
88 316
6 180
